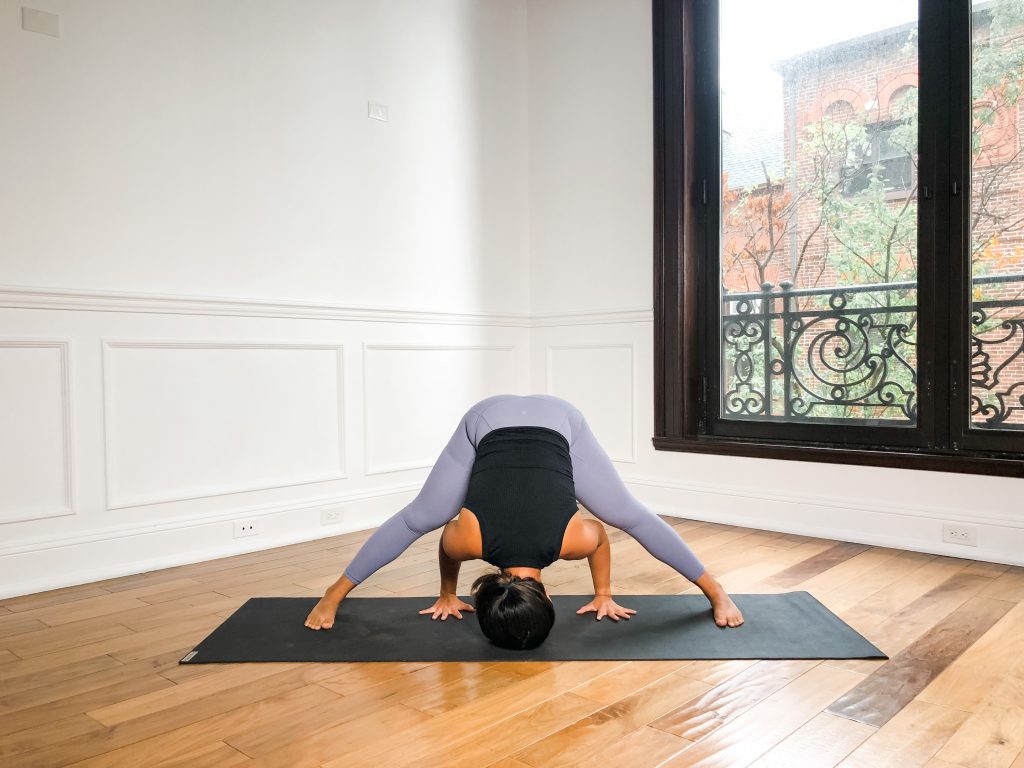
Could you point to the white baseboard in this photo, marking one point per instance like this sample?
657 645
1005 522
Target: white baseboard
1001 540
27 567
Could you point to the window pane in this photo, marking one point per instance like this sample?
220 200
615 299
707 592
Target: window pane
819 211
997 211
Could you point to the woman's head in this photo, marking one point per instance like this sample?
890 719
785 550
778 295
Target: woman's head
513 612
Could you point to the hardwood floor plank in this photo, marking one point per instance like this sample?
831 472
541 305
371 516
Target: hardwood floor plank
428 738
87 608
176 745
52 597
156 591
1007 586
53 639
749 735
378 727
513 734
889 688
627 679
885 573
14 624
909 739
43 694
716 671
643 746
121 648
257 738
154 642
971 679
29 739
984 568
57 676
745 571
821 742
695 718
509 762
171 613
849 571
216 755
60 708
352 678
823 561
469 686
148 725
991 737
895 630
586 741
231 676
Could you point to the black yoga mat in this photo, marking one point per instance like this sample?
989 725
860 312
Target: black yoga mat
791 625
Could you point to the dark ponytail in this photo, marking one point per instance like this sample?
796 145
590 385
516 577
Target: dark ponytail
513 612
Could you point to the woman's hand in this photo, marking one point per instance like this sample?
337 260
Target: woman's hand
605 606
447 605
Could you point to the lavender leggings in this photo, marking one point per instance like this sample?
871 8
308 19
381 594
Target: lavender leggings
598 486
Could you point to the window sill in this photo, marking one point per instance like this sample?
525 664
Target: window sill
959 461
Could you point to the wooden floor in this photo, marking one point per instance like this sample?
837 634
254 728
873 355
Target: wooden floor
89 674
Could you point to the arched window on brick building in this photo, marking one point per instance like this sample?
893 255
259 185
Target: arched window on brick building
884 155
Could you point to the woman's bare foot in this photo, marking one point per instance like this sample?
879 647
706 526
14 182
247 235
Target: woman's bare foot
322 615
725 610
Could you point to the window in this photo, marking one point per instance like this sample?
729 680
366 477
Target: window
839 244
881 159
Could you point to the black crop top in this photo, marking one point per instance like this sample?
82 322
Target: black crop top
521 490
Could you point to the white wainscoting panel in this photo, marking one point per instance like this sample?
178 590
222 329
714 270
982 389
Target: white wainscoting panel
35 430
599 379
415 395
192 419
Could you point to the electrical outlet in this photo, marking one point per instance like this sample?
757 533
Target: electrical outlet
245 528
331 515
958 533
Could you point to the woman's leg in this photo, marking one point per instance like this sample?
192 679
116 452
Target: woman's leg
601 490
438 501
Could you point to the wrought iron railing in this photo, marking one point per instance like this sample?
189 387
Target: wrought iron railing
810 354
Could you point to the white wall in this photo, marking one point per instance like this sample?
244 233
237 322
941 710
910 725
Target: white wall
591 251
225 293
222 148
591 176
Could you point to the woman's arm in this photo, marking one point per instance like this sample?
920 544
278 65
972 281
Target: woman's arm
449 570
600 561
448 603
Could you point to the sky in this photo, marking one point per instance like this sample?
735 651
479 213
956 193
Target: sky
755 33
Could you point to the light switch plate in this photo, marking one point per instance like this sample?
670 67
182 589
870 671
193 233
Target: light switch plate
40 21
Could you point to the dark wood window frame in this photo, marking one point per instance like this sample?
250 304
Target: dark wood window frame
685 203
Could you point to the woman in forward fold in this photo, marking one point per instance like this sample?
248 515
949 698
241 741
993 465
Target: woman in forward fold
505 488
